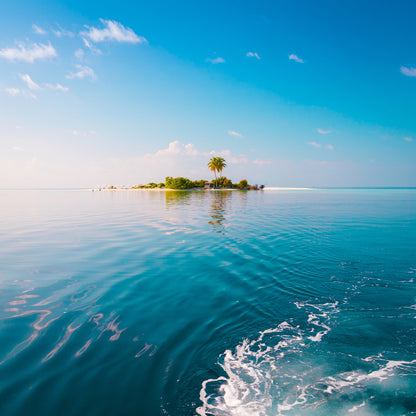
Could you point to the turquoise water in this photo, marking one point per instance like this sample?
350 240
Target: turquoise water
215 303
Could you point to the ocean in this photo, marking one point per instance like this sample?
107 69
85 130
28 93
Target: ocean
275 302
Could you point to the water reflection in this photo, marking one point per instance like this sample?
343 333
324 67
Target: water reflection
177 197
217 212
217 203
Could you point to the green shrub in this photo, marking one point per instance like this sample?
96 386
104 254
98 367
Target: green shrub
151 185
223 182
161 185
199 184
243 184
178 183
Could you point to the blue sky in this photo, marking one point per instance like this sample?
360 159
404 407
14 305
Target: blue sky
290 93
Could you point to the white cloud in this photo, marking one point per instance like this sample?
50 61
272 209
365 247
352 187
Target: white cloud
296 58
29 82
261 162
113 31
319 145
84 133
324 131
17 91
409 72
176 149
253 55
12 91
408 139
62 32
218 60
314 144
83 71
234 133
91 47
30 54
38 30
57 87
79 53
17 148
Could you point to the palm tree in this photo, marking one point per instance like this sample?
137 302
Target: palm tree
216 164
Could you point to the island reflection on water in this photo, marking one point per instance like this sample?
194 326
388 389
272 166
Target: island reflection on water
219 203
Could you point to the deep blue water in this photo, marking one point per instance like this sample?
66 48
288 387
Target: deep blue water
215 303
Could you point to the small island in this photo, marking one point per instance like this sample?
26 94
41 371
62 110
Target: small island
215 165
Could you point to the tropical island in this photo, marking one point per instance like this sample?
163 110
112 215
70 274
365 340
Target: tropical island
215 165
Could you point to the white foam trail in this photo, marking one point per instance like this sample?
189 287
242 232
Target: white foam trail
281 373
253 371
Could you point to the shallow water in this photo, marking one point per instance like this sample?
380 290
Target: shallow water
208 303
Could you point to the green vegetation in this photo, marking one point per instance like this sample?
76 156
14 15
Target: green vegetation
216 164
223 182
200 183
178 183
243 184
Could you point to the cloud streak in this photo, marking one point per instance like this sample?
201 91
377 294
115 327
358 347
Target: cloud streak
253 55
321 131
314 144
29 82
261 162
57 87
408 139
215 61
234 133
409 72
12 91
83 72
112 31
62 32
38 30
319 145
30 54
293 57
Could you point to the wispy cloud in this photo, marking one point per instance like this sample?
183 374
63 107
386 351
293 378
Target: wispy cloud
112 31
12 91
262 162
253 55
179 150
408 139
79 53
83 72
314 144
321 131
91 46
409 72
38 30
60 32
57 87
29 82
16 91
214 61
84 133
319 145
29 54
234 133
296 58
